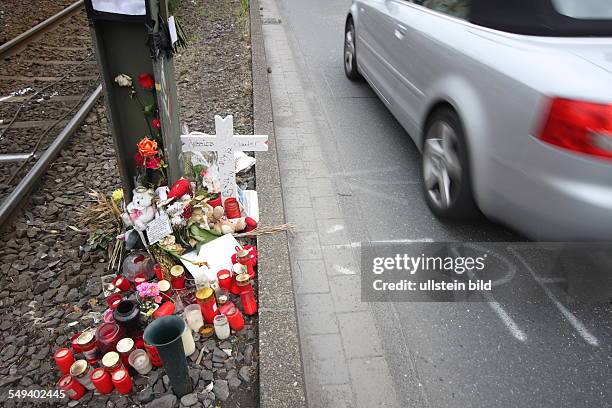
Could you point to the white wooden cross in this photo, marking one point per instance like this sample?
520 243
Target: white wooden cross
225 143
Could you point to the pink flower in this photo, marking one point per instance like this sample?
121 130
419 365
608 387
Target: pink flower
158 299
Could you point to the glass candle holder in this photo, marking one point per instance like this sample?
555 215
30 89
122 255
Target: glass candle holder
224 276
193 316
234 318
107 336
127 315
139 359
222 328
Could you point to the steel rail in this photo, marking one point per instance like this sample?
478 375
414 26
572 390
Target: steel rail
13 200
10 46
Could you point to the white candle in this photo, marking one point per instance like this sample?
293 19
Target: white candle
193 315
140 361
188 342
222 329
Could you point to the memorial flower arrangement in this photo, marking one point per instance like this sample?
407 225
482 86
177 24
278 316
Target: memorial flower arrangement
149 296
149 156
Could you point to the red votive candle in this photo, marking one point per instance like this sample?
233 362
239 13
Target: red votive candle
224 276
122 381
166 309
178 277
159 274
215 202
208 304
234 318
121 283
232 208
73 389
124 348
113 300
64 359
153 355
102 381
89 346
74 344
140 278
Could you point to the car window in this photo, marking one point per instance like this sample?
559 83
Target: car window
455 8
585 9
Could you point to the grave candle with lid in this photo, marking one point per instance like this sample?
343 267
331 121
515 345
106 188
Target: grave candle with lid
80 370
247 295
125 346
208 304
178 277
89 347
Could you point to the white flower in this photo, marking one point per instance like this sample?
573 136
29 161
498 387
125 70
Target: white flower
123 80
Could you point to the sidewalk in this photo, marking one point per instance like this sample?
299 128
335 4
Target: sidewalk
344 364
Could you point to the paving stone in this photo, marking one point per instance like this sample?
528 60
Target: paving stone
305 245
310 276
326 207
326 362
357 341
372 384
316 314
346 293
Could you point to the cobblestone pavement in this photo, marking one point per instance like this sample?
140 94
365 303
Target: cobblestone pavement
342 354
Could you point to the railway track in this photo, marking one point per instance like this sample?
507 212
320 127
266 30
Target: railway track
48 83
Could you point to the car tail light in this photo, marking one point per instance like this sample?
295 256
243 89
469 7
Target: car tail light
578 126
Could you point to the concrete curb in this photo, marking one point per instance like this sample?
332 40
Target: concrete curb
281 380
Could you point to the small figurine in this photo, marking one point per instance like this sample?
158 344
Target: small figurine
140 211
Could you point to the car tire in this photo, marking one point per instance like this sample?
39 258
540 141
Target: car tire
446 168
350 52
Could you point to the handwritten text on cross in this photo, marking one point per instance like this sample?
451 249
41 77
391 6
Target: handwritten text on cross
225 143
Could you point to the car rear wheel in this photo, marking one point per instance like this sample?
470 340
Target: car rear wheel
446 170
350 52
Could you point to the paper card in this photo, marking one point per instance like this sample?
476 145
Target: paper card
249 202
172 29
159 228
127 7
218 253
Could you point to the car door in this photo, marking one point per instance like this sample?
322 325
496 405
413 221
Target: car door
374 31
403 58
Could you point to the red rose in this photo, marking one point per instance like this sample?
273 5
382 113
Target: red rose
153 163
146 81
138 159
187 212
156 123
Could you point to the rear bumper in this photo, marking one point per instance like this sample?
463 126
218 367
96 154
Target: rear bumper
552 195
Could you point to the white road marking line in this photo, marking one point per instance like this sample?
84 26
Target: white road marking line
508 321
499 310
343 270
387 241
569 316
335 228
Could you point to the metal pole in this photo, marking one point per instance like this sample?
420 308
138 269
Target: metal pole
40 167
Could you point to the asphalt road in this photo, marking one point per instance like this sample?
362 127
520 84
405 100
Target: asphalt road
488 354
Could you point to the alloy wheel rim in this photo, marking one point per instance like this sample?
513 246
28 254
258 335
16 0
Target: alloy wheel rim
349 50
441 166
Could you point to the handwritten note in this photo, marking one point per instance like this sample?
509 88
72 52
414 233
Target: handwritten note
159 228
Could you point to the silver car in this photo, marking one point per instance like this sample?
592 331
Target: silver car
510 102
